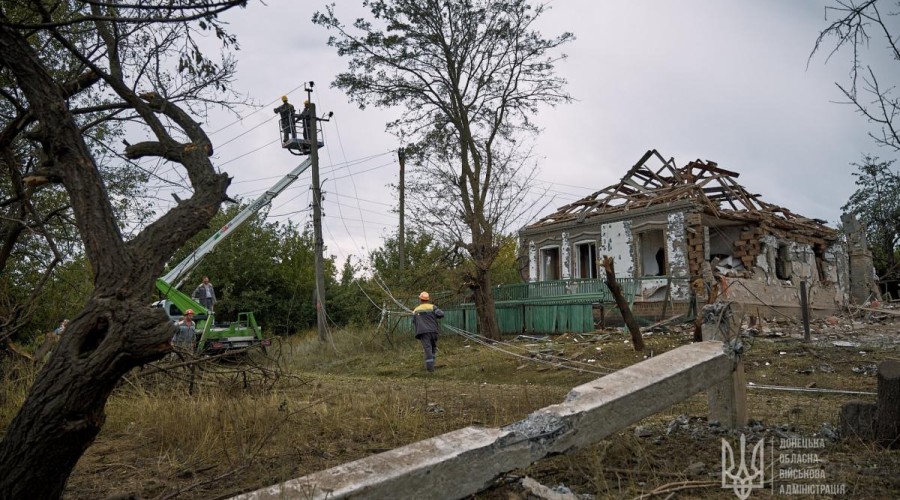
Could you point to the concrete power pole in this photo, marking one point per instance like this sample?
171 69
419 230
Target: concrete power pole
309 144
317 227
401 238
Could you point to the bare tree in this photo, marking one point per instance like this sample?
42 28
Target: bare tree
469 75
137 62
856 26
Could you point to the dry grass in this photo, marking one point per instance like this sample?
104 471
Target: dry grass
369 393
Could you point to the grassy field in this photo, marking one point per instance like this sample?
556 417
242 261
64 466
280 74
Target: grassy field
307 406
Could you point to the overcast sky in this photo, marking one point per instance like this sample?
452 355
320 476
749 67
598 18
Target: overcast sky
717 80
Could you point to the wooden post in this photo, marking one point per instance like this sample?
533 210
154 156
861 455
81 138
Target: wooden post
728 398
667 298
804 311
710 285
636 339
887 413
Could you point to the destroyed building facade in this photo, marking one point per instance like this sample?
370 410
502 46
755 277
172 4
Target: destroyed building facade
672 228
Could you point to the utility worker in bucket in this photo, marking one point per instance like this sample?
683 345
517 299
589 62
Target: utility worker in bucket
425 326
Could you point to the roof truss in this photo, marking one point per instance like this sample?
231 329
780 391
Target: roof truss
654 180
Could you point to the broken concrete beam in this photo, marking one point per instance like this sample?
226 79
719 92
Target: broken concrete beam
431 468
613 402
464 462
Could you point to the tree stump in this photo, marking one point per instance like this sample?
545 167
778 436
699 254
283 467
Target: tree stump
857 418
879 422
887 413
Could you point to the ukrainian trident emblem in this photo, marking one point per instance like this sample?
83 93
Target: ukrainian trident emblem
738 476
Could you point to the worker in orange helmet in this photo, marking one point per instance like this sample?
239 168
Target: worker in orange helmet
425 326
187 330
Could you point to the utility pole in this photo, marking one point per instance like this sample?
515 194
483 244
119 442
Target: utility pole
309 144
317 223
401 239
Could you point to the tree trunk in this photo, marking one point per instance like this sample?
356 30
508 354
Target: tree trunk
636 339
64 409
116 330
483 252
484 305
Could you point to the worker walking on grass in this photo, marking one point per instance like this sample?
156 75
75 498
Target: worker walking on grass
425 326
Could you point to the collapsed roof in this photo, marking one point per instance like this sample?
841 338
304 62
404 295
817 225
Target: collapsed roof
714 190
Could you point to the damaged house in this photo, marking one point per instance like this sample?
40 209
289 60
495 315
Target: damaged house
672 230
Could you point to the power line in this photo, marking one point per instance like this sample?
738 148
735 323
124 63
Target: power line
241 118
248 153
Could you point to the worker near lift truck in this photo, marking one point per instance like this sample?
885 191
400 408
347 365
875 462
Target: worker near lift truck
205 294
425 326
186 331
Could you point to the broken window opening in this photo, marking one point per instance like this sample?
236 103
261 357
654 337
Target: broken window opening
550 264
586 260
723 241
819 254
783 262
652 253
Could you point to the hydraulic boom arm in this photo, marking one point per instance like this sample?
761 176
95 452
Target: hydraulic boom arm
180 272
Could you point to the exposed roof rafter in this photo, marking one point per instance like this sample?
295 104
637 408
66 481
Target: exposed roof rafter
712 188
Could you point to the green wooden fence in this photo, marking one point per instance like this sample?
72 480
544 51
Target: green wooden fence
539 307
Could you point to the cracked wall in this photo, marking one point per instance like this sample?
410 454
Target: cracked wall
616 242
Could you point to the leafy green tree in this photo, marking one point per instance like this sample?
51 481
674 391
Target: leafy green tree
297 279
263 267
507 267
350 300
430 265
468 75
142 66
876 203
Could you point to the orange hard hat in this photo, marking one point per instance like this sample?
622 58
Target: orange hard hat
189 311
424 296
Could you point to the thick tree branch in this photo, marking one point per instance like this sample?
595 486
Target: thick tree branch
94 215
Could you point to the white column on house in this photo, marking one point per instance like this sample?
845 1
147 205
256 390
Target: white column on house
532 262
565 257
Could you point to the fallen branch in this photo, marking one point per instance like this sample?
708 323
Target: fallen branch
673 487
663 322
883 311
